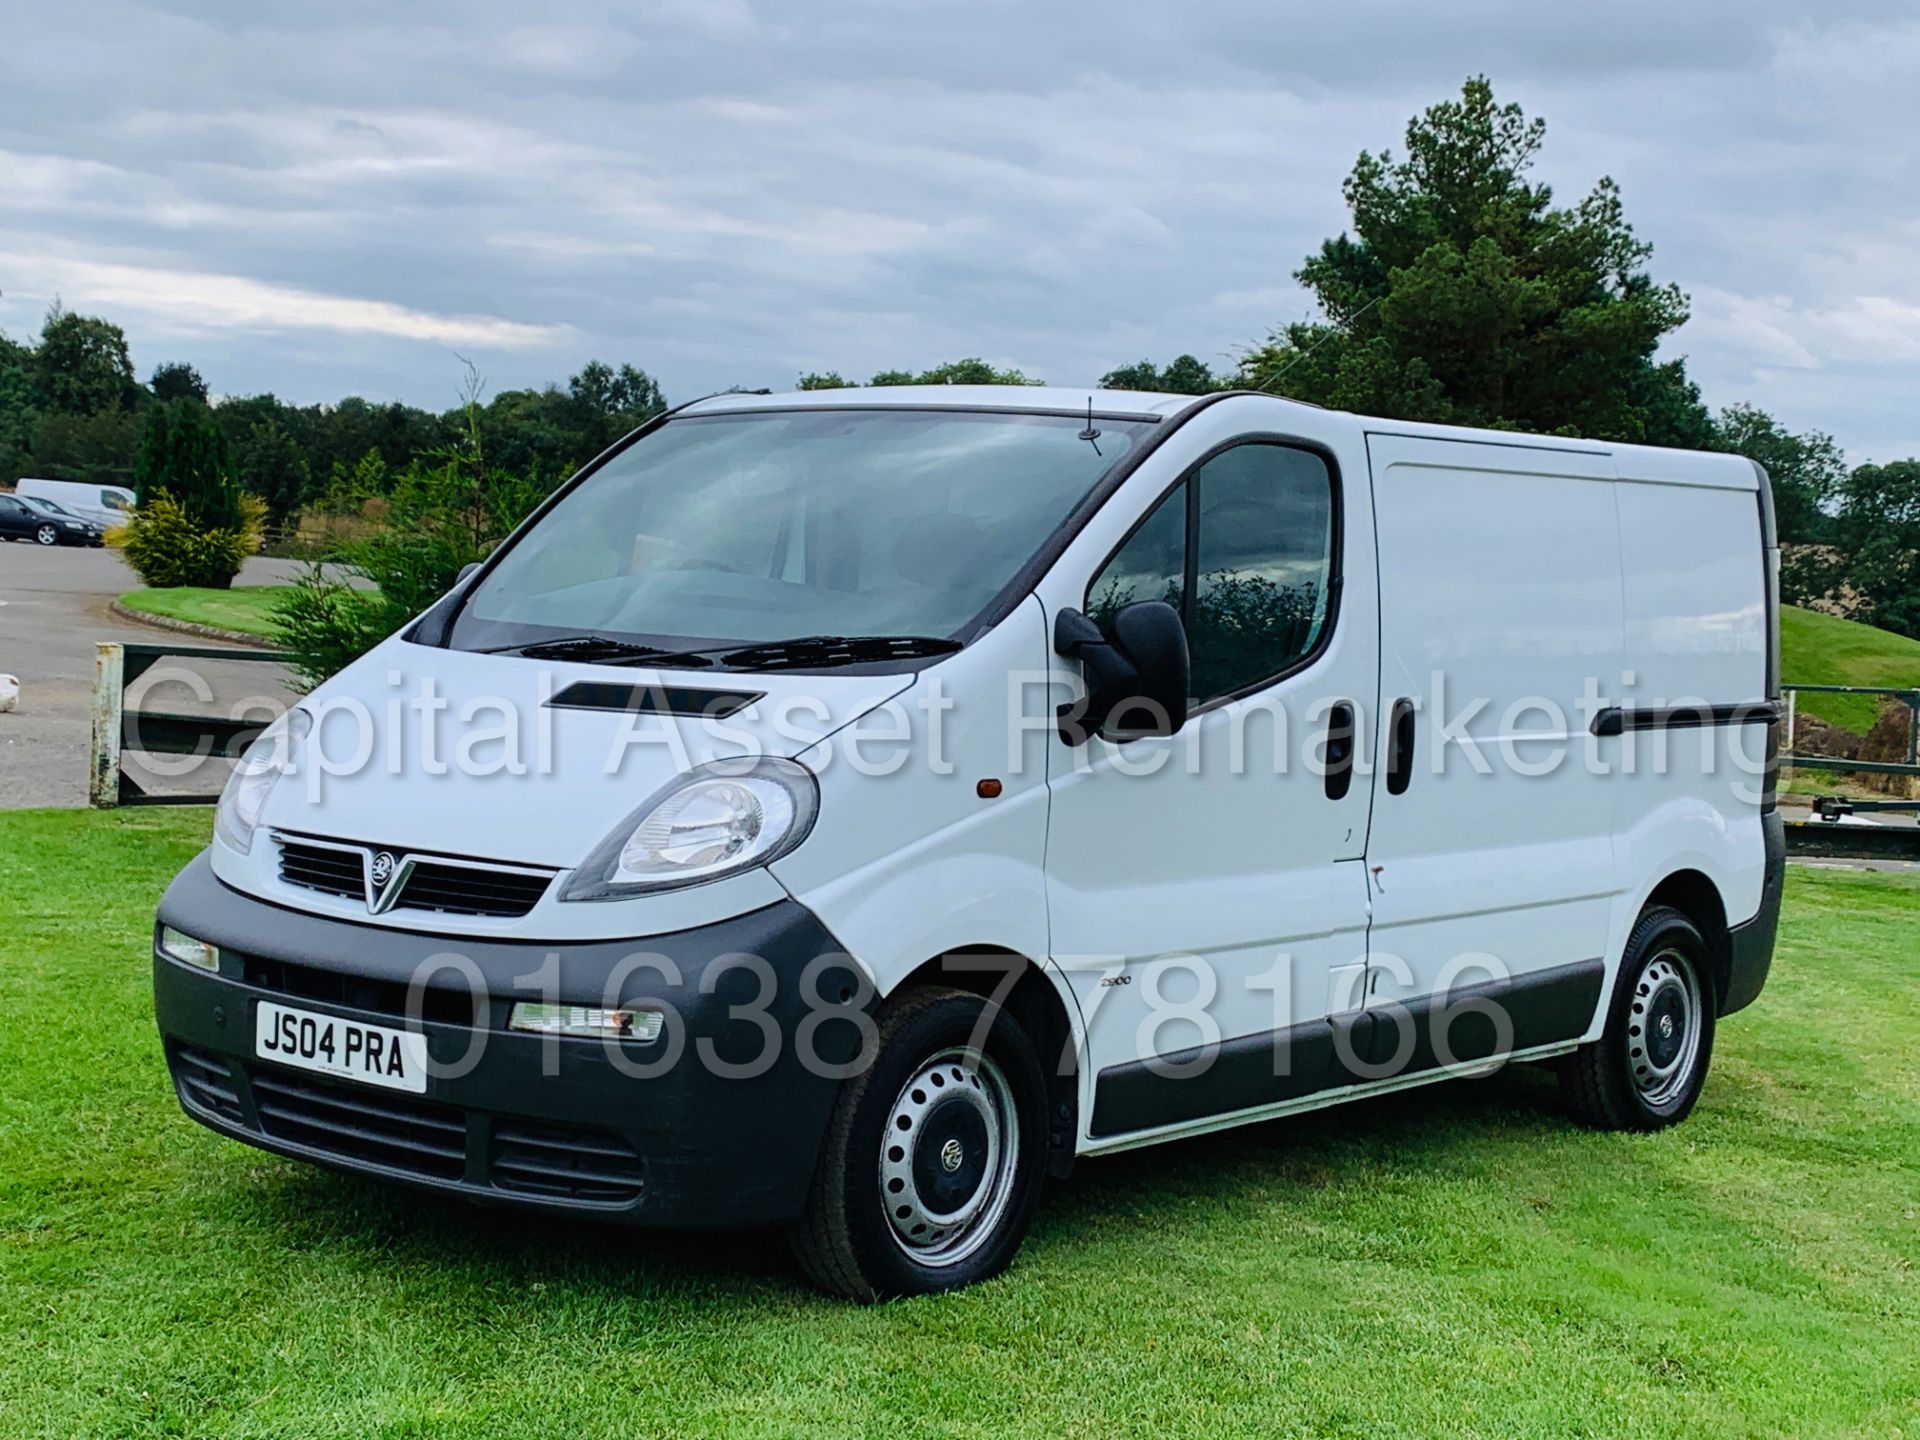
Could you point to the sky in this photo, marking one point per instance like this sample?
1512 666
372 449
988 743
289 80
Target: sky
352 198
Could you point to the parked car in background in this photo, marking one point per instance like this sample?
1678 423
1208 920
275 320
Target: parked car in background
101 505
25 517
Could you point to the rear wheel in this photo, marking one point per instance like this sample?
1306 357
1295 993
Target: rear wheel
1646 1071
931 1167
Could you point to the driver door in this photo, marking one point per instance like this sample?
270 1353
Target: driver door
1206 890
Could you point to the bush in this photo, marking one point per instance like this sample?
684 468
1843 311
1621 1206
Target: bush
324 624
166 548
440 517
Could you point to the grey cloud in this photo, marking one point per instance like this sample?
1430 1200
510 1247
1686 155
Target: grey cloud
729 192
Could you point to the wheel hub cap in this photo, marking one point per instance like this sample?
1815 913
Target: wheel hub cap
1663 1031
948 1161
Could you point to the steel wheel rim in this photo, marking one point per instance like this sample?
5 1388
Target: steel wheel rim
1664 1027
954 1101
46 535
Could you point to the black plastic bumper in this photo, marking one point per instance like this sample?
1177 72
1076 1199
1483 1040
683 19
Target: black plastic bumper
558 1124
1751 943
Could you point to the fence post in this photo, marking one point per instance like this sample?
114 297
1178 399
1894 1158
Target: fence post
103 783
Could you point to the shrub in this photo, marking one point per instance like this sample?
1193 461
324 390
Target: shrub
324 624
166 548
441 516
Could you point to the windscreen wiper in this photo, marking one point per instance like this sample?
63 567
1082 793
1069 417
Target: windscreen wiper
809 652
605 650
804 652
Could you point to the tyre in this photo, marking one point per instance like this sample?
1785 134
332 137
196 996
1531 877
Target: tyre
1646 1070
47 535
930 1169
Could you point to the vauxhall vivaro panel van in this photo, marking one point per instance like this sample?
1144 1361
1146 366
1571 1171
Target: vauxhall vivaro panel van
840 810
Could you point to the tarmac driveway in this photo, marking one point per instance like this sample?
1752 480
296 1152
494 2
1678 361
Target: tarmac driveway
53 608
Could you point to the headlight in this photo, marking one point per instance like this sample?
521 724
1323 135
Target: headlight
187 950
718 819
268 758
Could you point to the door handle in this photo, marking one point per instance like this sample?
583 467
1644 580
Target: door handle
1339 774
1400 747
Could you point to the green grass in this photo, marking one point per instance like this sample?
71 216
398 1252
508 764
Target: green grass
248 609
1818 649
1453 1261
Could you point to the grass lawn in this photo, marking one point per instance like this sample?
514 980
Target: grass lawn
246 608
1455 1261
1818 649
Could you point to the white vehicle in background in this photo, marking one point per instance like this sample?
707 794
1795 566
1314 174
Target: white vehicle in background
102 505
1088 910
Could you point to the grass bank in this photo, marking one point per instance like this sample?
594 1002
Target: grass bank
248 609
1818 649
1459 1260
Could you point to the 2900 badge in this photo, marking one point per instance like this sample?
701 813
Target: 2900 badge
371 1054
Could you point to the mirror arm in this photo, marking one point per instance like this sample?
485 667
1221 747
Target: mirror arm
1109 674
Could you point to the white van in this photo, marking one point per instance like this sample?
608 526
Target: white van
102 505
840 810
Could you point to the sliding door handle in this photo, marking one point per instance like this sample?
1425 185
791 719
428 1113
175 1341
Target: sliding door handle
1400 747
1339 775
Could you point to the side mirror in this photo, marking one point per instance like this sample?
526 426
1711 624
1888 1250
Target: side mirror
1137 679
465 571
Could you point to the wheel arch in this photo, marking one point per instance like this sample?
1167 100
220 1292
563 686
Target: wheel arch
1694 894
1044 1009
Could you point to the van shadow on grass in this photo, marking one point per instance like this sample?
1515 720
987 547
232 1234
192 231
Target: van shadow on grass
359 1220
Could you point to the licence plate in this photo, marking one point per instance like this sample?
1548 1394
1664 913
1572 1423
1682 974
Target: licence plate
371 1054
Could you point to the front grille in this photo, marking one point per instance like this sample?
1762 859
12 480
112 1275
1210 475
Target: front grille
316 867
413 1136
565 1162
399 1132
206 1082
435 885
438 1005
458 890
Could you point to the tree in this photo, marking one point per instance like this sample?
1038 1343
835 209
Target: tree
273 467
1876 554
177 380
816 380
82 367
1186 375
17 413
1808 471
447 510
1463 295
612 402
96 449
971 371
185 454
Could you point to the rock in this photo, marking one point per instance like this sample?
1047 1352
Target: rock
1889 741
9 693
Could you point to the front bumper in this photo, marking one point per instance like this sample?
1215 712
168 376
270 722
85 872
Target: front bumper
719 1134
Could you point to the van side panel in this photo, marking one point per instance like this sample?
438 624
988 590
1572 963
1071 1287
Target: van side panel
1697 632
1500 609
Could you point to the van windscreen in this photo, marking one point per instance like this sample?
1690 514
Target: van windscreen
753 528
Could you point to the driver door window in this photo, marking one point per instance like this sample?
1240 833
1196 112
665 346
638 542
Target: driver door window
1254 584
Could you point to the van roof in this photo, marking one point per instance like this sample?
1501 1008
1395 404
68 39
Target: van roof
1634 462
1040 399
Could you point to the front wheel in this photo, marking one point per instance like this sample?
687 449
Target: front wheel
930 1170
1646 1071
47 535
